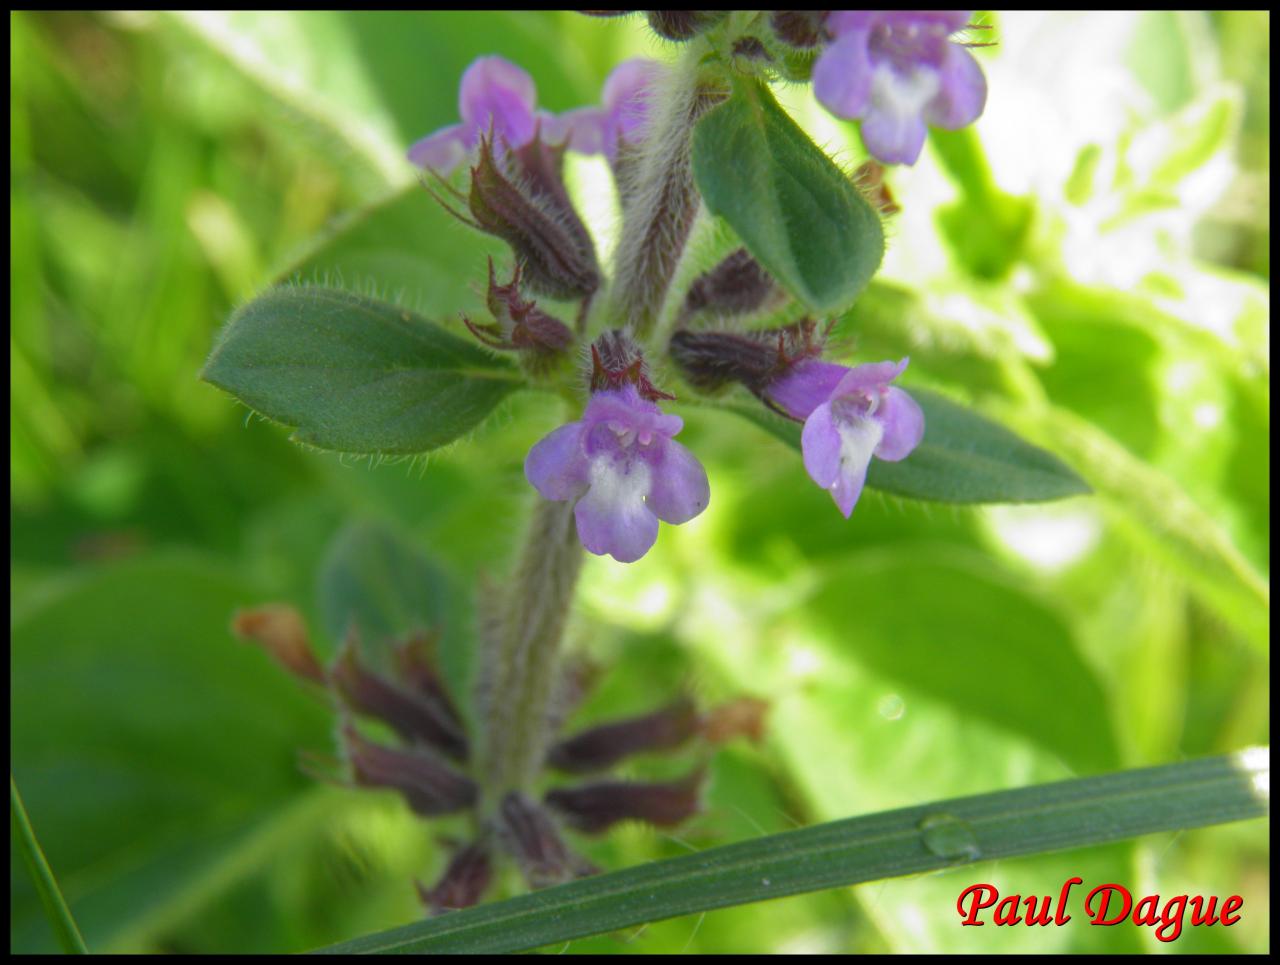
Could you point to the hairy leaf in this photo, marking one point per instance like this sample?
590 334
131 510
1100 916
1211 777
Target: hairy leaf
797 213
355 374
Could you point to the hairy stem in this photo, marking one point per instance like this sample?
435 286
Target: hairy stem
520 666
660 201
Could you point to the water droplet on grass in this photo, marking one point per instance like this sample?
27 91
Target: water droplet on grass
949 837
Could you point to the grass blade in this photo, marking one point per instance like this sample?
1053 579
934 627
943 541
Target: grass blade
1004 824
55 906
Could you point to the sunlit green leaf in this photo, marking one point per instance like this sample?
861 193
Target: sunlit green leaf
948 628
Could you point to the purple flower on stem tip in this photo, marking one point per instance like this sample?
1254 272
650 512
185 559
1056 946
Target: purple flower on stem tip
850 415
897 70
494 92
621 466
595 130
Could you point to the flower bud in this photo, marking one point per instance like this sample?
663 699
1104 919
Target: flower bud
709 361
604 745
415 662
751 48
743 716
522 202
531 837
429 785
736 286
616 361
520 325
595 807
415 717
683 24
799 28
464 882
279 629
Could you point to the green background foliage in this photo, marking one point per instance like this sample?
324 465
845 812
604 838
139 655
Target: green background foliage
1089 265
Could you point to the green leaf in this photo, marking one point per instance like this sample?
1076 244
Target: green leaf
797 213
404 243
55 906
1159 515
374 579
385 586
944 625
355 374
986 228
963 458
312 67
156 751
930 837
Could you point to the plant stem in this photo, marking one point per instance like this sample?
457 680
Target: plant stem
660 201
520 672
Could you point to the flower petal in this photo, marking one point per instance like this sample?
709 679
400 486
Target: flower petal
582 129
870 377
557 466
626 95
496 91
921 20
442 151
679 490
842 75
806 386
903 423
893 129
859 436
820 444
963 91
612 517
841 22
627 408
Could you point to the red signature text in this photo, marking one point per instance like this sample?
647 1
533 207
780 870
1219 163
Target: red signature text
1106 904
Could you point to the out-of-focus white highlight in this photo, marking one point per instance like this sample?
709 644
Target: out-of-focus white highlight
1256 763
803 661
590 184
1051 538
1207 415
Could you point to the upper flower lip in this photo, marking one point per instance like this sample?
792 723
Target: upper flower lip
622 119
897 71
495 93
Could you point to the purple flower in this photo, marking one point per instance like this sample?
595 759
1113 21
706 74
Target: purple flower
897 70
593 130
849 416
621 466
493 91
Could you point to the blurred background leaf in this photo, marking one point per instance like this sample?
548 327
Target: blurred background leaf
1110 301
